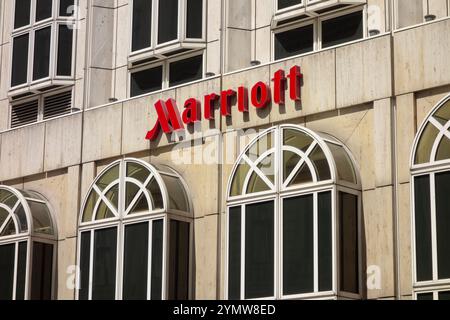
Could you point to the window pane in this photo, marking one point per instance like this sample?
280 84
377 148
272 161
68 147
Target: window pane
167 20
108 177
21 271
325 242
443 224
186 70
64 50
234 254
41 277
294 42
425 296
194 18
423 228
342 29
7 253
157 259
321 165
443 151
42 221
179 260
43 9
298 245
343 162
259 250
444 295
142 24
22 13
146 81
85 249
349 242
41 60
423 152
66 8
177 196
20 60
135 265
105 253
239 178
287 3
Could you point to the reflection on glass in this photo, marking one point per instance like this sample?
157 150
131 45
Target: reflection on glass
296 139
108 177
262 145
302 176
22 219
290 160
42 222
320 163
267 166
7 198
443 114
155 195
343 162
9 229
90 205
425 144
3 215
443 151
239 177
137 171
256 184
177 197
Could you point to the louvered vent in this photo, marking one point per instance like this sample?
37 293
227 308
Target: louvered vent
24 113
57 105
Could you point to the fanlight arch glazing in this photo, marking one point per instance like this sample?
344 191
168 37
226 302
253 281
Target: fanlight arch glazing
130 187
432 143
289 157
25 213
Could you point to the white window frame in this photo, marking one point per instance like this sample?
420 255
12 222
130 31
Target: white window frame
166 71
281 192
53 22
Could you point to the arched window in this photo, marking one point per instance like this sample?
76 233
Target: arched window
293 218
27 246
430 169
135 234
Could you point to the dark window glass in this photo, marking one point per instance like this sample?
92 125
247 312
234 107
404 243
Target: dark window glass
259 250
66 8
325 242
443 224
105 253
293 42
20 60
85 249
43 9
342 29
157 259
167 20
21 271
444 295
65 35
424 262
234 254
41 60
135 264
142 24
146 81
41 271
186 70
287 3
7 254
194 24
349 242
22 13
425 296
298 245
179 260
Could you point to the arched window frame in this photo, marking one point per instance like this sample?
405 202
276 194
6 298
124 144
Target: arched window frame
429 169
167 214
280 191
30 237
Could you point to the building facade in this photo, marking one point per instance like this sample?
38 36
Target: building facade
224 149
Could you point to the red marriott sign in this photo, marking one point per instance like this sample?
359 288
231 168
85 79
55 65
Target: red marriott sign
169 119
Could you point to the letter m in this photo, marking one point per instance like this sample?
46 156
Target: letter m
169 119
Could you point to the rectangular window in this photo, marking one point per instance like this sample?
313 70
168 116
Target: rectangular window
157 259
179 260
259 250
194 21
298 245
443 224
66 8
41 62
65 40
41 271
444 295
85 249
43 9
22 13
20 60
342 29
105 260
146 81
422 209
167 20
21 271
142 24
294 42
7 258
234 254
349 242
425 296
282 4
325 244
187 70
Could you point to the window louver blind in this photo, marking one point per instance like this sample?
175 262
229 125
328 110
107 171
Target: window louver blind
24 113
57 105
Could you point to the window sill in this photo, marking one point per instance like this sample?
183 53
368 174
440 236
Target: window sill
40 87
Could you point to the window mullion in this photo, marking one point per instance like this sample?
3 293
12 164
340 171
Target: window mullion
16 265
91 264
243 252
315 243
433 227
